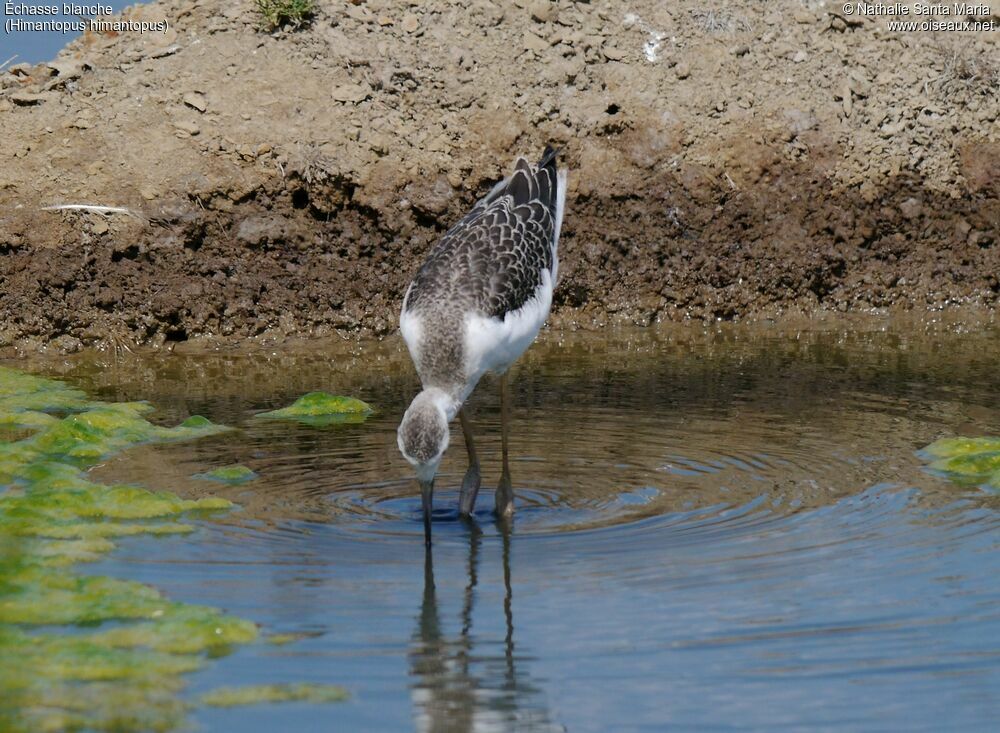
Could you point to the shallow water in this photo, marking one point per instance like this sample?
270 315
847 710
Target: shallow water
724 529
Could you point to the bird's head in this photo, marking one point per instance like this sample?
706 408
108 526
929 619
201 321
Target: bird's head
423 434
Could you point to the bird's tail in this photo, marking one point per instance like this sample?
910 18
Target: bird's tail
548 157
539 183
543 184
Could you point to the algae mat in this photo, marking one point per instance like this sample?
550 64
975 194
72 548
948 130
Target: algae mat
319 409
84 651
966 461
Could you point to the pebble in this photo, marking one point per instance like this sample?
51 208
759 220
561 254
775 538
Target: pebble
410 23
799 121
544 12
67 69
890 130
26 99
168 51
353 93
562 71
846 95
911 208
380 144
534 43
613 53
858 84
358 13
196 100
682 70
187 126
100 227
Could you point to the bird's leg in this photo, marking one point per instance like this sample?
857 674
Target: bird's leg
427 499
472 480
505 492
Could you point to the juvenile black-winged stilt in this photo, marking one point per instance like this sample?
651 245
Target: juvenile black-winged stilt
475 306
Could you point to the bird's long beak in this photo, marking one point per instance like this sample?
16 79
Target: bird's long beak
427 498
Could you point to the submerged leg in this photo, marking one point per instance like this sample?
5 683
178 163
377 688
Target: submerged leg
505 492
472 480
427 499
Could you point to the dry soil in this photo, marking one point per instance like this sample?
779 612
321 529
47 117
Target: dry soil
729 160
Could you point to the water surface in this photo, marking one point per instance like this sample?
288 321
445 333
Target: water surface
722 529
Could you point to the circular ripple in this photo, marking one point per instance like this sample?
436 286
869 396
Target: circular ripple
395 509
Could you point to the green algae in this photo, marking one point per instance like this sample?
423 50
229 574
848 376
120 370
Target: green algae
226 697
56 682
973 465
20 392
946 447
183 629
67 552
53 516
30 658
236 474
107 429
27 419
319 409
40 595
121 668
90 530
970 461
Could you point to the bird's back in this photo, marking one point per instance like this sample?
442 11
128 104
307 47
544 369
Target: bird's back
491 265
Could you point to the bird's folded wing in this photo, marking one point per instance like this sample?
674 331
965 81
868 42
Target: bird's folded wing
491 261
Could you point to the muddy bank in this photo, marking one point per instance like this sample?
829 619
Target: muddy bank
727 164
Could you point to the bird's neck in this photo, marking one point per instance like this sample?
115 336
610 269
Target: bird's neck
448 402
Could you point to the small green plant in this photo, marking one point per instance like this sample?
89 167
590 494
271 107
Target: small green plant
277 13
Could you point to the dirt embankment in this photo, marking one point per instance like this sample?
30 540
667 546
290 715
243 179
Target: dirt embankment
726 163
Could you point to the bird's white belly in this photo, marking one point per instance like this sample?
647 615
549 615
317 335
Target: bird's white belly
492 344
412 329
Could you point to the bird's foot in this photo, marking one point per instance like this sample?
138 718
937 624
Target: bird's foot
504 497
470 489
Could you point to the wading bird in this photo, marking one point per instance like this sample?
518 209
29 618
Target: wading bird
473 307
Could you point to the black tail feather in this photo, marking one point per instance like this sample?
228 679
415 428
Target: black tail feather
548 156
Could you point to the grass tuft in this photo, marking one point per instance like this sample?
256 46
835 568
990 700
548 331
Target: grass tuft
966 74
278 13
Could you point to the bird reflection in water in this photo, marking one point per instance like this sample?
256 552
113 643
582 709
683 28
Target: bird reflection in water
461 684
